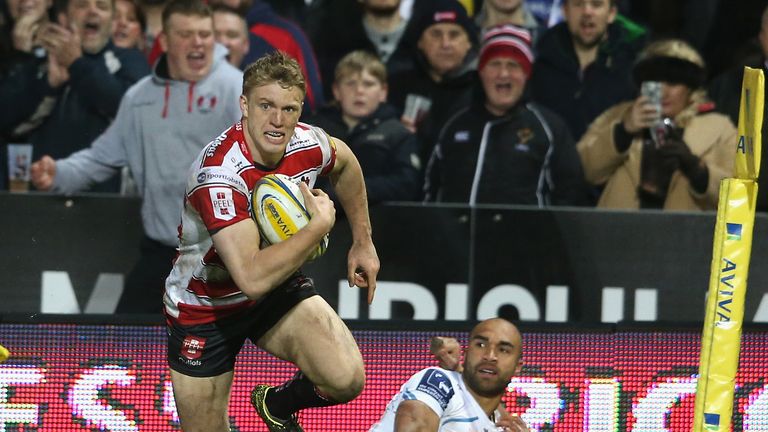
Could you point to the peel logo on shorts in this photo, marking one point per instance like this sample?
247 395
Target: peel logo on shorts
192 347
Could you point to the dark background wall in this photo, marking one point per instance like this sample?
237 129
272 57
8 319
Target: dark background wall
513 261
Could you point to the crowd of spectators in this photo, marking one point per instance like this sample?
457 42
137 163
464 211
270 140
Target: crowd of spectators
468 101
532 102
66 64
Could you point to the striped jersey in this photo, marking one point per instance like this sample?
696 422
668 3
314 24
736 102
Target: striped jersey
199 288
445 393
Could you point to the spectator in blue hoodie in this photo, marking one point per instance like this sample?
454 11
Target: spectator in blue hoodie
162 124
68 96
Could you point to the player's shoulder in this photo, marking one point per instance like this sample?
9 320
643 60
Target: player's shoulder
226 149
307 135
440 384
221 162
434 378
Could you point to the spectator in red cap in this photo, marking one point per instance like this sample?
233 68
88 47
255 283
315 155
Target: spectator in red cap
500 149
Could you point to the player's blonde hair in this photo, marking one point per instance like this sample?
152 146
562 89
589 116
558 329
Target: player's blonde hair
274 67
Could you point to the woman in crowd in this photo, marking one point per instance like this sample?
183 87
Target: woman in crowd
130 25
668 156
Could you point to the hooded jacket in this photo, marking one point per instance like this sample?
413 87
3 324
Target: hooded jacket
161 126
558 83
386 150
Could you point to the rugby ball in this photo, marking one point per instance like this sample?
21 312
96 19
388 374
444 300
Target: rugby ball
277 206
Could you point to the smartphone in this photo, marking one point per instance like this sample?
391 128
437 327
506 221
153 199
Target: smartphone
652 91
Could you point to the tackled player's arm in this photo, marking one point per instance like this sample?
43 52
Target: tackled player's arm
349 185
415 416
258 271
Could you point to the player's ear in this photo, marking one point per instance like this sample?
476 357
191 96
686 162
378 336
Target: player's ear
244 106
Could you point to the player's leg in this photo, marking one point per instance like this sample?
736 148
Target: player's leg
312 336
202 403
202 362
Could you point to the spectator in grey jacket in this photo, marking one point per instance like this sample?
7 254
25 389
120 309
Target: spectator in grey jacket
163 122
61 98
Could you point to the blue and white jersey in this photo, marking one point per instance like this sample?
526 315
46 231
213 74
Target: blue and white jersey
445 393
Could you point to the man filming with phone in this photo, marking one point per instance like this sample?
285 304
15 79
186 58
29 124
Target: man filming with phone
667 149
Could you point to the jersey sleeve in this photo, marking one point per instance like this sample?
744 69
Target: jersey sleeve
433 387
328 147
220 197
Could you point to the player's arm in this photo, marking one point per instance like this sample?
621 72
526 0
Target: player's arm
415 416
257 271
347 179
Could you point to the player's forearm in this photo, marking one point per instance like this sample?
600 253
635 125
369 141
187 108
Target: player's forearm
350 190
258 271
271 266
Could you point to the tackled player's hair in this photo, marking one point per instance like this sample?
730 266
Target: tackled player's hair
274 67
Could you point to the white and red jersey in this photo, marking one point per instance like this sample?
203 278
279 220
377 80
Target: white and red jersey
200 289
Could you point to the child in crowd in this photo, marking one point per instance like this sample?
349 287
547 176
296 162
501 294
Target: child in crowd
387 151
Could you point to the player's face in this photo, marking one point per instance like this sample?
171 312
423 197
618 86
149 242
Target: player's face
230 31
588 20
503 82
270 114
92 19
188 43
674 98
359 94
444 45
127 29
492 357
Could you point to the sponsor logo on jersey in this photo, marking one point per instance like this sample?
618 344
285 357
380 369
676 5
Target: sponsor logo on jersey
214 144
437 384
222 202
192 347
203 176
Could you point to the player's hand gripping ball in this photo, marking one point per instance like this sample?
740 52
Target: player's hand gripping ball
277 206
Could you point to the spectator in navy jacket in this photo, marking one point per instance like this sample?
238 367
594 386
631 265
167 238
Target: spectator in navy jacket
584 65
69 96
360 116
